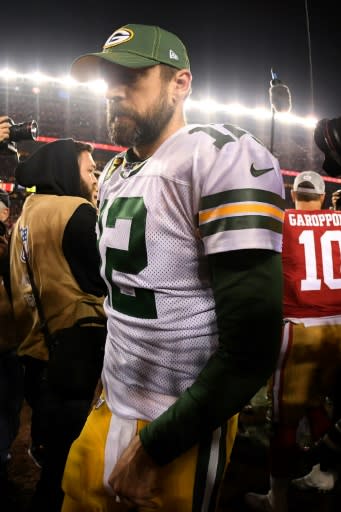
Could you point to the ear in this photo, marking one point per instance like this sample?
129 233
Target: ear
293 195
183 81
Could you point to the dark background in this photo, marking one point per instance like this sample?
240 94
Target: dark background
232 45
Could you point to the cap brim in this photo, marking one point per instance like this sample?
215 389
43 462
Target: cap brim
90 66
308 190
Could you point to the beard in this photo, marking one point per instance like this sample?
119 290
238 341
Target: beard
86 191
131 129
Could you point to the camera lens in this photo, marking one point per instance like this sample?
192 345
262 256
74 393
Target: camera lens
24 131
34 130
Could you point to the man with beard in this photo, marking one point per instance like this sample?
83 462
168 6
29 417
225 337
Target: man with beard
189 232
57 295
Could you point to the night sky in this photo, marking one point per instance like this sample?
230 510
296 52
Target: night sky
232 47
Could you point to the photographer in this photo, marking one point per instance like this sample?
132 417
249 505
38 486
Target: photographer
10 367
10 134
11 371
4 128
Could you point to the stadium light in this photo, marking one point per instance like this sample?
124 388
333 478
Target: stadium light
207 105
288 118
97 86
38 78
67 81
8 74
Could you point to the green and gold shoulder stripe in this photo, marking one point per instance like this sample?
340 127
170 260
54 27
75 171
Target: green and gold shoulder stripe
241 209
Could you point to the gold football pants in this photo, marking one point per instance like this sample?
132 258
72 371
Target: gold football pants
307 368
191 483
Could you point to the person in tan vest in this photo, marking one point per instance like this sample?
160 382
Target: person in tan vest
62 353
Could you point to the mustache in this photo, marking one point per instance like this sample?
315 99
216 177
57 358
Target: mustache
114 110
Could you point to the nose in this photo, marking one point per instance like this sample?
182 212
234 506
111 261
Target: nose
114 92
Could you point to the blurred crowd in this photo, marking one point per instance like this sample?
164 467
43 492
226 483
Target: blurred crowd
80 113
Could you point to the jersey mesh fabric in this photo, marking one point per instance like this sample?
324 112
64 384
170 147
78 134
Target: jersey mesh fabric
154 230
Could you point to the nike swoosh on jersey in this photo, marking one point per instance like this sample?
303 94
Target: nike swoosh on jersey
258 172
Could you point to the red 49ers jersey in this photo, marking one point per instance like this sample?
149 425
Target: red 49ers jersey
312 263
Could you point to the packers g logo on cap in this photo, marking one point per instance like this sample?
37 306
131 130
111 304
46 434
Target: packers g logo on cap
122 35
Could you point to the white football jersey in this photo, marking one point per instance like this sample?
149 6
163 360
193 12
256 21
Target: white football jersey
207 189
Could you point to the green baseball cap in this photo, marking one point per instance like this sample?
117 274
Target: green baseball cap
134 46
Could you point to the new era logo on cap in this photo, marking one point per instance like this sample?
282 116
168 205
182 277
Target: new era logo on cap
173 55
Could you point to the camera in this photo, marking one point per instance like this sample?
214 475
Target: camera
27 130
9 156
327 136
23 131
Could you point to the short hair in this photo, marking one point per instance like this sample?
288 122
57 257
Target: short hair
167 72
83 146
307 196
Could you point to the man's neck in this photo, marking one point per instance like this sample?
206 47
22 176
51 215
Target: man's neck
308 205
177 122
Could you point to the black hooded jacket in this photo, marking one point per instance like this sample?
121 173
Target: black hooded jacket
54 169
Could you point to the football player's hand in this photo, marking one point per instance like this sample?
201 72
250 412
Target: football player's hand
134 478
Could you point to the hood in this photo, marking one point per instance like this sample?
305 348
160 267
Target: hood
52 169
